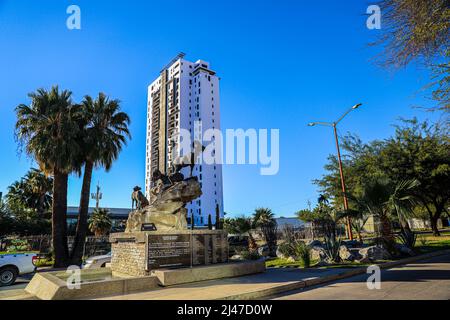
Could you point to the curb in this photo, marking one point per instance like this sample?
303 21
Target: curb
255 295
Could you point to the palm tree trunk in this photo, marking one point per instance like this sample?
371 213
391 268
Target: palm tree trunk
40 206
386 232
82 224
59 219
252 246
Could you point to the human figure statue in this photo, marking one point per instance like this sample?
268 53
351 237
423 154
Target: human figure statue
138 198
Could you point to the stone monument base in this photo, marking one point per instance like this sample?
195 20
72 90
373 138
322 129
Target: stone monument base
170 277
140 253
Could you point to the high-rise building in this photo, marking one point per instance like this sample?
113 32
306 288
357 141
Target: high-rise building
185 94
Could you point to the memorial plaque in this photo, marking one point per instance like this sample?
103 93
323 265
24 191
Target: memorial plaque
148 227
168 251
185 250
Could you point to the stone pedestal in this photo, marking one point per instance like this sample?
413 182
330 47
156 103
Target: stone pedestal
139 253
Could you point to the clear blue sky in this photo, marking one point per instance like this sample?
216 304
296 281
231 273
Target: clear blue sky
282 65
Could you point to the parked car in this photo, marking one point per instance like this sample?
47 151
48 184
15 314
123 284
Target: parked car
96 262
13 265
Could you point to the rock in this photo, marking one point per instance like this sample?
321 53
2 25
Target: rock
167 211
291 259
237 257
404 250
279 254
322 263
263 251
352 243
318 253
314 243
373 253
345 254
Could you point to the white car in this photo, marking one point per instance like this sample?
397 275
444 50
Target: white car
97 261
12 265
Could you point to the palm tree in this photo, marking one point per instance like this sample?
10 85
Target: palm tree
105 130
264 219
385 201
48 130
263 216
241 226
100 223
41 190
32 194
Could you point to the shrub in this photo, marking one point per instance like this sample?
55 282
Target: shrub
303 253
249 255
287 249
18 245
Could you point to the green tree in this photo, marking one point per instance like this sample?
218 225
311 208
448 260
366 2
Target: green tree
417 151
100 222
209 222
241 226
104 133
385 200
48 130
264 219
421 152
33 192
218 220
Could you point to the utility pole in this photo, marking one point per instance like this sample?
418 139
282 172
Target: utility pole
341 172
97 196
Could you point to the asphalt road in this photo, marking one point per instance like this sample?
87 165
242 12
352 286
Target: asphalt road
21 283
427 279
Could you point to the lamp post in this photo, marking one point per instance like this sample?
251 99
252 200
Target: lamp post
334 125
97 196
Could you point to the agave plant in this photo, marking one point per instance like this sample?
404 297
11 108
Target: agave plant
408 238
331 247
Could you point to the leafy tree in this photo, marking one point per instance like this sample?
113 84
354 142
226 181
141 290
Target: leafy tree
100 222
418 151
6 221
104 132
418 30
421 152
48 130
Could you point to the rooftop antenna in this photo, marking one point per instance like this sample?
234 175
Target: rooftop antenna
179 56
97 196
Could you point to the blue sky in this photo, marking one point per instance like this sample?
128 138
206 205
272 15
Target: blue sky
282 64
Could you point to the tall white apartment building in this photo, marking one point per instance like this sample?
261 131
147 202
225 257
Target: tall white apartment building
184 93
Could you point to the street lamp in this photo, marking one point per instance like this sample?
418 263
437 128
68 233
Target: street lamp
334 124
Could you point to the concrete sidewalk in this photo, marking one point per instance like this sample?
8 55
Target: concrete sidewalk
246 287
257 286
